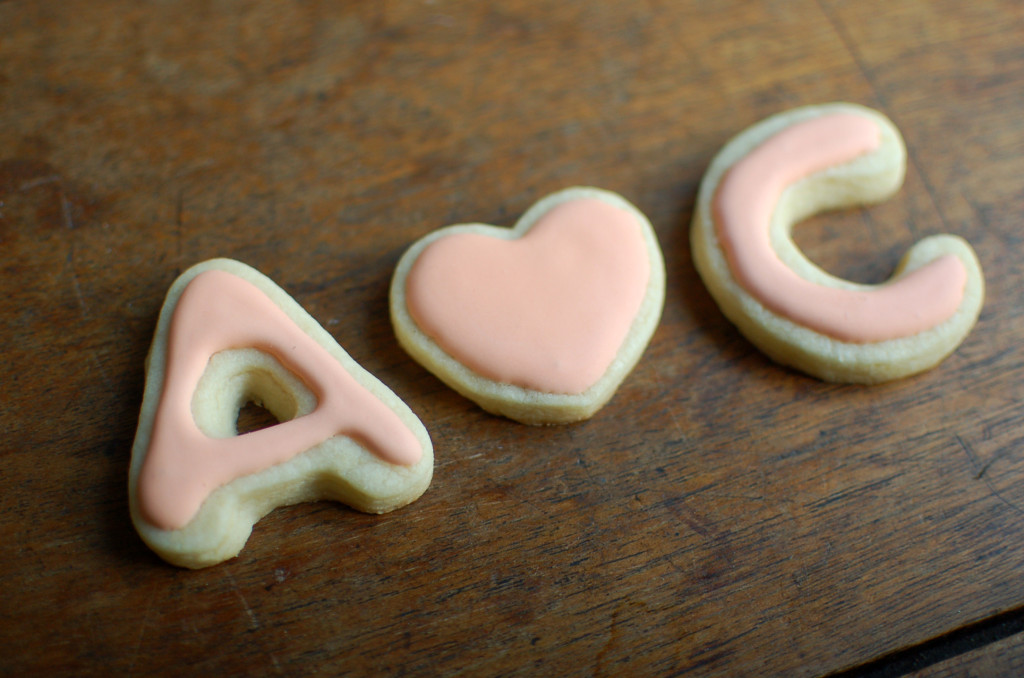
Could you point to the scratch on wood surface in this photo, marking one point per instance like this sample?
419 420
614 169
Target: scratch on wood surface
675 422
677 507
508 492
980 474
75 287
253 622
744 497
142 633
83 307
65 212
615 641
39 181
969 451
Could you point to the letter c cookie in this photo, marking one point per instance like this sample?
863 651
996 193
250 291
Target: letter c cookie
787 168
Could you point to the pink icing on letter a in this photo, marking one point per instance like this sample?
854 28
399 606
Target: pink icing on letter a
219 311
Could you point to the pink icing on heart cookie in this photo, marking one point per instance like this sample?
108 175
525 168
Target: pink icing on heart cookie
546 311
548 307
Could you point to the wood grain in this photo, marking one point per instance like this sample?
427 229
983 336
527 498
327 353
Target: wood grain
720 515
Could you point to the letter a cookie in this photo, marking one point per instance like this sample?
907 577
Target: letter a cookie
228 335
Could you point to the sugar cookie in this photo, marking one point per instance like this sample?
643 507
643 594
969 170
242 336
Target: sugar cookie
540 322
227 335
794 165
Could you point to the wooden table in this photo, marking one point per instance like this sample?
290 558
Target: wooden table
722 515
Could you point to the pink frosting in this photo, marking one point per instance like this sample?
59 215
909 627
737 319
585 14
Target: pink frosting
219 311
548 310
743 208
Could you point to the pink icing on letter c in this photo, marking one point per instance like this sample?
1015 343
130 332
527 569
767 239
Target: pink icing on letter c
743 208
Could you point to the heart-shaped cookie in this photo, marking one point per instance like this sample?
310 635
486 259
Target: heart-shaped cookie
541 322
